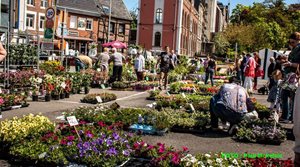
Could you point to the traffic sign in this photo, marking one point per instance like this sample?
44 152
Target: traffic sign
49 23
48 33
50 13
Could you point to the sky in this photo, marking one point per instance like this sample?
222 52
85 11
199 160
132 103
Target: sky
131 4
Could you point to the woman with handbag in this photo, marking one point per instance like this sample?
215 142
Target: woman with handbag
290 64
258 71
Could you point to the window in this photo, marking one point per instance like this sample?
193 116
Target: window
158 17
42 22
89 24
73 22
121 28
44 3
157 38
112 28
81 23
30 21
30 2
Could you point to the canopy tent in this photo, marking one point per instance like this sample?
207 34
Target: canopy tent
115 44
265 55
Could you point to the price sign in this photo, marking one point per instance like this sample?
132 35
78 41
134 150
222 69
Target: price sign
99 100
72 120
43 155
102 86
0 116
183 95
168 93
50 13
192 107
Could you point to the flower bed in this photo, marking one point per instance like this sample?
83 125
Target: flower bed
98 145
145 85
260 131
11 101
200 103
92 98
122 86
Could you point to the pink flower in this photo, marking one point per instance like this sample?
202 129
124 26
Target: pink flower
1 101
63 142
70 138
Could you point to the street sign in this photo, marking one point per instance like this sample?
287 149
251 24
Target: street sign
48 33
50 13
49 23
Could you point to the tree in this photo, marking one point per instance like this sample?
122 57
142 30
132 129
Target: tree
221 43
134 16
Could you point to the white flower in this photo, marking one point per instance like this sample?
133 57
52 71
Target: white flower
219 160
235 162
209 161
207 155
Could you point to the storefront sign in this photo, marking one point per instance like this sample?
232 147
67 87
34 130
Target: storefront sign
73 33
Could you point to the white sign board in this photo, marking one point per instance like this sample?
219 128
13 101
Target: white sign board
183 95
99 100
72 120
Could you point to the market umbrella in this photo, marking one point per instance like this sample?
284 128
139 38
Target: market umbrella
115 44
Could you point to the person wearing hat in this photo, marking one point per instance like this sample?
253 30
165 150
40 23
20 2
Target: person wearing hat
117 58
249 73
139 65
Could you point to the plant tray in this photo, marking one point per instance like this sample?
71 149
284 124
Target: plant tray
150 98
122 89
144 129
188 130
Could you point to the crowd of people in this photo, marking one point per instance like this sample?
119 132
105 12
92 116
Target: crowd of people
166 61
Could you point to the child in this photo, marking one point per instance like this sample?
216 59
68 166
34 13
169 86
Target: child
274 95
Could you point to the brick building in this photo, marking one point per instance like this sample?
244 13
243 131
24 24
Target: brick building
170 23
187 26
87 22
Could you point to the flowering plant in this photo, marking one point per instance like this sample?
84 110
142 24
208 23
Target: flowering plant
36 84
30 126
48 83
52 67
106 97
159 154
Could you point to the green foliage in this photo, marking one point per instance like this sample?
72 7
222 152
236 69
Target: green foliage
262 25
106 97
22 54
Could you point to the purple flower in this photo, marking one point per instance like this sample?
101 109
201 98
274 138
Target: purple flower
89 135
99 141
69 143
115 136
109 142
95 150
80 132
126 152
86 145
111 152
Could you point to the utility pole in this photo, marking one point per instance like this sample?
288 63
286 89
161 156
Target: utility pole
109 20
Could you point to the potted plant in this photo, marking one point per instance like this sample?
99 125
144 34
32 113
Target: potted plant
35 83
48 86
68 88
86 82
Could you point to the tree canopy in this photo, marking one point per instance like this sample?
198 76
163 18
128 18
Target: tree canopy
261 25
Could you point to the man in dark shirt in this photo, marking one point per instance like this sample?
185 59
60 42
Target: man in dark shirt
242 67
164 61
210 71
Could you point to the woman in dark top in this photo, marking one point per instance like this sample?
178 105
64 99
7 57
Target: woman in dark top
210 71
290 65
271 69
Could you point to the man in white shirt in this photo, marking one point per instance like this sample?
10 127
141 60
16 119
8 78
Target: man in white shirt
139 65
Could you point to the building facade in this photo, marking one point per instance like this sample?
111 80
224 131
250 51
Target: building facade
187 26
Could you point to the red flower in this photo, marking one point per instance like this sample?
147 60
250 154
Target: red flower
101 124
185 149
82 122
55 138
70 138
63 142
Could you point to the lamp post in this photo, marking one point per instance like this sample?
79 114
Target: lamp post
109 20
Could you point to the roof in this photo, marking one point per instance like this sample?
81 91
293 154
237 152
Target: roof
87 7
119 10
